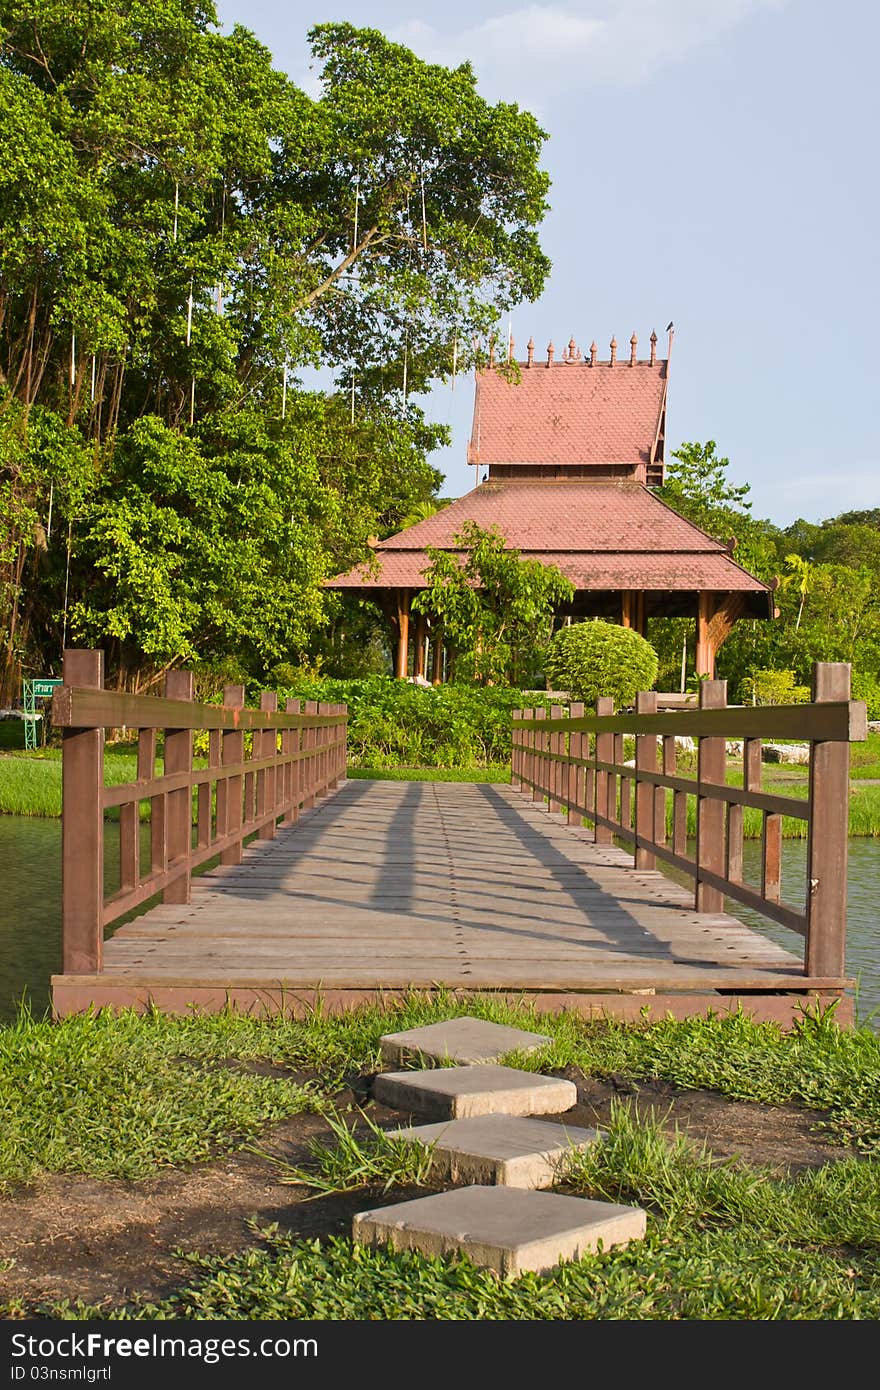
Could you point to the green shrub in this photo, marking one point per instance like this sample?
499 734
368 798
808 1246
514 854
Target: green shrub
597 658
774 688
867 687
392 723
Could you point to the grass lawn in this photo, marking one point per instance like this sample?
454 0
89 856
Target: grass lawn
127 1097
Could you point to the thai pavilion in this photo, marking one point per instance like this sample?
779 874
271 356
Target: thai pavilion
570 455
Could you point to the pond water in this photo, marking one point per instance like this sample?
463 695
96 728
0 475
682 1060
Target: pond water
30 910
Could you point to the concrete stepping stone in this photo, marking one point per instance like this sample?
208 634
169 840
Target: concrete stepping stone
506 1150
448 1093
502 1228
460 1040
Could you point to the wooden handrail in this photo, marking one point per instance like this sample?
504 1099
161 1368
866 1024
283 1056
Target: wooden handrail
576 764
237 795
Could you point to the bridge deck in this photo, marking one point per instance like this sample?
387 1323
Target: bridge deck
392 885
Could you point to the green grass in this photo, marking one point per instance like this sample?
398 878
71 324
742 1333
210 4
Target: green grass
710 1275
865 758
724 1241
123 1095
30 783
495 772
120 1096
352 1160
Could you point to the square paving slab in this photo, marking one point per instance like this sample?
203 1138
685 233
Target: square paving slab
507 1150
448 1093
459 1040
501 1228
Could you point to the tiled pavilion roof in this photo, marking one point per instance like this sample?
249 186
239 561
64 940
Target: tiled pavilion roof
601 535
571 447
570 412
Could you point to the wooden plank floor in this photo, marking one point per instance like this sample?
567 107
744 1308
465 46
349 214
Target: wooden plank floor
392 884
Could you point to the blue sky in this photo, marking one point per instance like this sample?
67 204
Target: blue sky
713 162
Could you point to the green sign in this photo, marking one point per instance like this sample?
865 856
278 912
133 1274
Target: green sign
46 685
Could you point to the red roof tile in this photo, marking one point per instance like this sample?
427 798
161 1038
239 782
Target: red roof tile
601 535
561 516
404 569
570 412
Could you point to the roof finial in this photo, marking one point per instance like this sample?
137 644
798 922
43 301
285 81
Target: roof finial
572 353
530 349
613 351
510 346
550 352
633 345
594 348
654 348
492 351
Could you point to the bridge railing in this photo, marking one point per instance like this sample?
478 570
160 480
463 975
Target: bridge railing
294 757
576 762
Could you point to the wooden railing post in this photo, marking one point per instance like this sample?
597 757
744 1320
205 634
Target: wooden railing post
232 754
268 747
291 744
606 797
528 762
515 753
82 829
827 847
178 758
711 769
332 779
646 761
557 747
538 775
310 742
342 750
576 775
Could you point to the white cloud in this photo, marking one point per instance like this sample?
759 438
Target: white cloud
529 51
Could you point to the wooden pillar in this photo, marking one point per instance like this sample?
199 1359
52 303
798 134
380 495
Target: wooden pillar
421 641
402 664
641 622
539 767
626 612
711 768
577 776
606 787
437 658
268 746
178 758
82 829
646 761
556 749
705 655
292 744
229 790
515 753
825 952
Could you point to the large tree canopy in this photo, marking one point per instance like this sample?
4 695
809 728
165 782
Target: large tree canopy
146 158
182 230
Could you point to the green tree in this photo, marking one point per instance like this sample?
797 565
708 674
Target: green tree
494 608
594 658
183 232
698 487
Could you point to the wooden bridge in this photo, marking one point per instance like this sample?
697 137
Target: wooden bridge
349 891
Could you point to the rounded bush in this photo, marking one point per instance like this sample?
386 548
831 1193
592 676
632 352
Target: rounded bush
595 658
